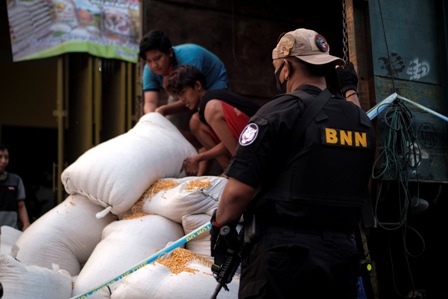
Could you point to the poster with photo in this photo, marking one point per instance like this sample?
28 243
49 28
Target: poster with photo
103 28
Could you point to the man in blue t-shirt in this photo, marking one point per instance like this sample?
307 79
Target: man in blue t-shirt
161 57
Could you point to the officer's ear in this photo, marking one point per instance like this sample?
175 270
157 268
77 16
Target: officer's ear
289 64
289 68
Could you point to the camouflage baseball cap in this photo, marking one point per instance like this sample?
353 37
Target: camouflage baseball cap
307 45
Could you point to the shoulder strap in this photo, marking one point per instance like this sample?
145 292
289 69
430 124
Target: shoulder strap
312 109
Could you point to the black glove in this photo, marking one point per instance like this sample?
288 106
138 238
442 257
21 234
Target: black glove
214 233
347 77
222 239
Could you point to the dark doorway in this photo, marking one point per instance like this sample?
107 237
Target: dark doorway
33 151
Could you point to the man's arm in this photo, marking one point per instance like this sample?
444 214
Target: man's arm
23 215
151 101
219 152
352 96
172 108
234 199
216 151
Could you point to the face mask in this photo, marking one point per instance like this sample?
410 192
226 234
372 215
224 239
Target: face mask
281 87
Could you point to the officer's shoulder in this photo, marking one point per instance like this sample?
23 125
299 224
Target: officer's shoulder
284 97
295 99
283 102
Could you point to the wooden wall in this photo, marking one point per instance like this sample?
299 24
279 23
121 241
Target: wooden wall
242 33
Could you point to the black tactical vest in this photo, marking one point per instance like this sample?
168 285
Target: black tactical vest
323 176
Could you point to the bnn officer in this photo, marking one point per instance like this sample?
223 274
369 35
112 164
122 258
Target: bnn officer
300 193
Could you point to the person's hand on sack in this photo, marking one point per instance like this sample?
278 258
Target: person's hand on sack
191 165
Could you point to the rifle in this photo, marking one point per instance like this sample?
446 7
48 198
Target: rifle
225 270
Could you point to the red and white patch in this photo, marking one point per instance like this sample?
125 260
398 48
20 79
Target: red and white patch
321 43
249 134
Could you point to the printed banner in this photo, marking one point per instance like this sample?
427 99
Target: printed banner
45 28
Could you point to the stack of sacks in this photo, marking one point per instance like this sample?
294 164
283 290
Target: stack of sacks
66 235
20 281
82 235
124 244
156 219
181 275
115 173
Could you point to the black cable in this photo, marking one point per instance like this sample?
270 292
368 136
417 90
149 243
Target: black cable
399 157
394 156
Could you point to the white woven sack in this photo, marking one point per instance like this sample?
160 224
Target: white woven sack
185 197
124 244
156 281
8 237
115 173
201 244
66 235
20 281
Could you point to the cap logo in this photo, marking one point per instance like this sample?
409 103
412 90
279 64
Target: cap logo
321 43
286 44
249 134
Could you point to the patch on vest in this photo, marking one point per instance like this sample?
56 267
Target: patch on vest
345 138
248 134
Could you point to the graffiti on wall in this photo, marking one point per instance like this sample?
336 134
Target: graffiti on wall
417 69
394 65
